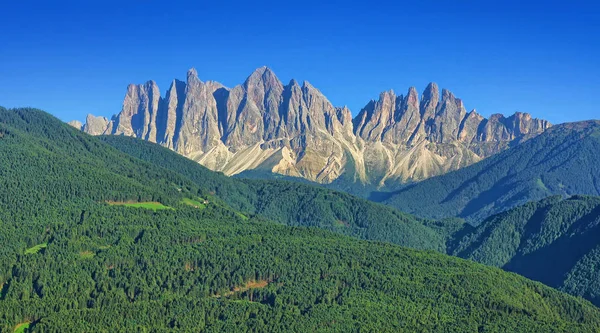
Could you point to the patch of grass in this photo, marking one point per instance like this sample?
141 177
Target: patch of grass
194 203
20 328
242 216
340 224
86 254
252 284
36 249
540 184
155 206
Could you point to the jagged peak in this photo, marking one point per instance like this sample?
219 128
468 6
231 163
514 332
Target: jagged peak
263 76
310 88
412 97
76 123
262 70
149 86
192 72
308 85
293 83
447 95
519 114
90 117
387 94
496 117
431 86
474 114
431 92
175 82
344 114
192 76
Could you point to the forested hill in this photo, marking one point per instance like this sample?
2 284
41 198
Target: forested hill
47 164
295 204
564 160
93 240
555 241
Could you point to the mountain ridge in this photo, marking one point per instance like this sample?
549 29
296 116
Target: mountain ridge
294 130
560 161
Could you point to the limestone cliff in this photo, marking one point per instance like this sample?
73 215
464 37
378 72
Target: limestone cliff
294 130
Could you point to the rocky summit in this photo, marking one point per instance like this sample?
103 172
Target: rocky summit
295 131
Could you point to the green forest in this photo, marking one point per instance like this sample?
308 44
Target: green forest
293 203
555 241
95 239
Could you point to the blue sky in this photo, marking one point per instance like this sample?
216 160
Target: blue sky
71 58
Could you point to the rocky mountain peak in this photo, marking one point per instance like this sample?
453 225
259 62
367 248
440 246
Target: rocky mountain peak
293 82
97 125
412 98
447 95
431 92
263 77
192 73
76 123
295 130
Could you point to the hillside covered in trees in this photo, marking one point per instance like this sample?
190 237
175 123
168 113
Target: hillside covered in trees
293 203
563 160
280 200
555 241
97 240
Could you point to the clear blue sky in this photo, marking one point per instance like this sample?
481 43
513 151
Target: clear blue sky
73 58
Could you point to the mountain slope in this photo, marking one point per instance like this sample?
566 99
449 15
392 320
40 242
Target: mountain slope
563 160
72 262
555 241
121 177
292 203
295 131
33 141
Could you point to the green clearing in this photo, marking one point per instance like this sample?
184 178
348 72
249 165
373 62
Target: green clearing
87 254
540 184
20 328
194 203
155 206
340 224
36 249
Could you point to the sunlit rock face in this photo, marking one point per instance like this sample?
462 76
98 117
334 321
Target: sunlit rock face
294 130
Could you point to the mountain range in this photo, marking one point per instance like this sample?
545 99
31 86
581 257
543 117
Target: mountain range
294 130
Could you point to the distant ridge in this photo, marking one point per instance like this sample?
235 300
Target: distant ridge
564 160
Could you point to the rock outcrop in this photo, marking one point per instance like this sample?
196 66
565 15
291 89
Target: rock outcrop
294 130
76 123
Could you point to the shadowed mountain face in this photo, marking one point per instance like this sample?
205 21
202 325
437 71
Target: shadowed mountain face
295 131
554 241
